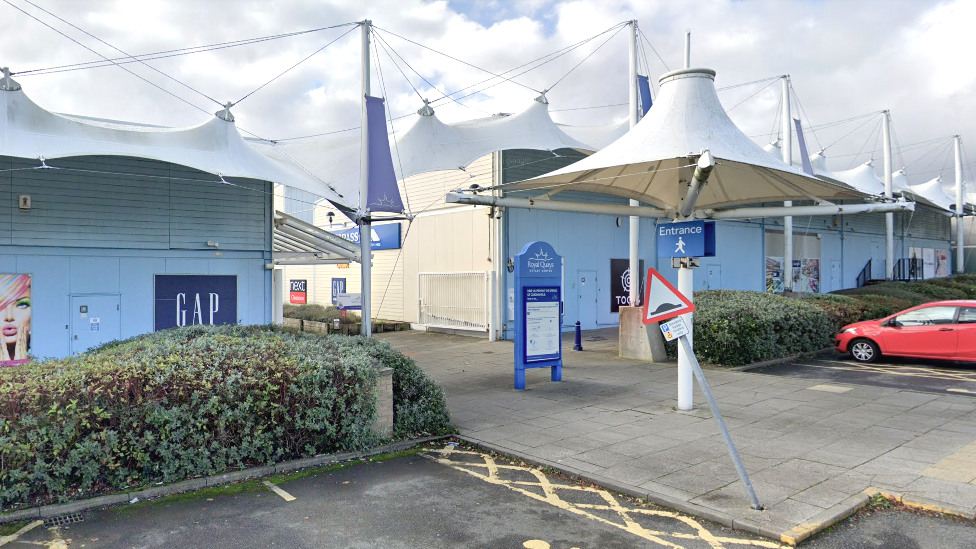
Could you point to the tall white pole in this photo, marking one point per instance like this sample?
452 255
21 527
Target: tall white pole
635 274
787 152
365 227
889 217
686 285
960 244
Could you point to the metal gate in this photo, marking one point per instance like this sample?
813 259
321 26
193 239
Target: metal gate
457 300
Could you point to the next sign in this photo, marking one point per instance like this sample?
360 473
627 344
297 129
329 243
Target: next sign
686 239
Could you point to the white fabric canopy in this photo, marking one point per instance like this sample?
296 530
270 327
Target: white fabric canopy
215 146
426 144
863 179
650 162
932 191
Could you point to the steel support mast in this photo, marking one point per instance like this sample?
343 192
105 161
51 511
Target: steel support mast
365 227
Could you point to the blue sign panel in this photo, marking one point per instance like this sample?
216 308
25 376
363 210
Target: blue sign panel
383 237
538 287
184 300
543 337
338 287
686 239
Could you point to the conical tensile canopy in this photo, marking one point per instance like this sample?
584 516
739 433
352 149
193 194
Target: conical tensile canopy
650 162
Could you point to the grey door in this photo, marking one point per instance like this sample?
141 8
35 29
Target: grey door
586 299
713 276
835 282
95 319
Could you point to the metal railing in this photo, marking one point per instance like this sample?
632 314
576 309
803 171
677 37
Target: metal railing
458 300
907 269
864 275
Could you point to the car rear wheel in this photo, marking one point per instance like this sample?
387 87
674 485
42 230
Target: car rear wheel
865 350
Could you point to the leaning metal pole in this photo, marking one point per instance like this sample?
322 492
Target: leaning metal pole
889 217
365 227
686 345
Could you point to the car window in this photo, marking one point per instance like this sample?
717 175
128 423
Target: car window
927 316
967 315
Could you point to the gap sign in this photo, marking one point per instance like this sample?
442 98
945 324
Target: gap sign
686 239
382 237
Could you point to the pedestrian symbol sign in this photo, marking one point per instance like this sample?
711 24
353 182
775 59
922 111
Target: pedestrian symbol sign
662 300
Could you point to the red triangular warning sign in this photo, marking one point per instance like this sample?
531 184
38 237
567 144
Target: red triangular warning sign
662 300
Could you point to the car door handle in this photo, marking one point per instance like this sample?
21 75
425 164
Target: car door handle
945 329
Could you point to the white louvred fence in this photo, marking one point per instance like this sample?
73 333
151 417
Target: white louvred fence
458 300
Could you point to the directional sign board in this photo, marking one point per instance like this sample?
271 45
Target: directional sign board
662 300
686 239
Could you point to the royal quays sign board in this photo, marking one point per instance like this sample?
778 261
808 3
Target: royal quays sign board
382 237
185 300
538 318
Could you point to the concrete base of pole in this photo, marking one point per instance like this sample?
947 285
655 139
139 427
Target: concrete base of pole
637 340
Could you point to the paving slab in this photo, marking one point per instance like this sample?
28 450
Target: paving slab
812 454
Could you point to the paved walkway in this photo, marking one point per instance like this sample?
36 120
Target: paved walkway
813 450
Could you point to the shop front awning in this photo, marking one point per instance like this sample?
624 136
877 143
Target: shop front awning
299 243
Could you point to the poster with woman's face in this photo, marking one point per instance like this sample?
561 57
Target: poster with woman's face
15 319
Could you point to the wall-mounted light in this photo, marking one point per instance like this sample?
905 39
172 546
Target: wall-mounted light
330 215
213 244
511 265
619 222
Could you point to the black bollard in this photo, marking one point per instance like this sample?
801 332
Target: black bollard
578 345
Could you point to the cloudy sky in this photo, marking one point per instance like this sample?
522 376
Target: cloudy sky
846 58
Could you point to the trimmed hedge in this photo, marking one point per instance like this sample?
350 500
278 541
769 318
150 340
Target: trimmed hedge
193 402
733 328
318 313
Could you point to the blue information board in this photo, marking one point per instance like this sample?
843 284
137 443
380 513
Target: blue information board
686 239
538 290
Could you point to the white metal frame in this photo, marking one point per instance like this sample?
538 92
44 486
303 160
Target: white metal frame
480 321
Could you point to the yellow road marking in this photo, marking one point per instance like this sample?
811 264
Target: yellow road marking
489 470
952 390
284 495
4 540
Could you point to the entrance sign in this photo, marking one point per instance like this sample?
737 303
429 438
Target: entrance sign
349 302
686 239
297 292
538 295
662 300
185 300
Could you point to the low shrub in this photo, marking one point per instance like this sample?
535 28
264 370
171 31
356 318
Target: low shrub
318 313
896 290
733 328
842 309
880 306
196 401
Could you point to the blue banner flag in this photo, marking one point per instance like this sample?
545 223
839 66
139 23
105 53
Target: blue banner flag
383 194
644 86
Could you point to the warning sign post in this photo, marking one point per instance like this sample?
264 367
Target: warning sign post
662 301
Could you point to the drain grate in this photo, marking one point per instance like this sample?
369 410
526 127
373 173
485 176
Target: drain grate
64 519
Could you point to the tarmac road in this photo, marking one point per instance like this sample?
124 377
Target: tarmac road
452 498
928 376
444 498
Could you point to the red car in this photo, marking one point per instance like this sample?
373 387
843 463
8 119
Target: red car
945 330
